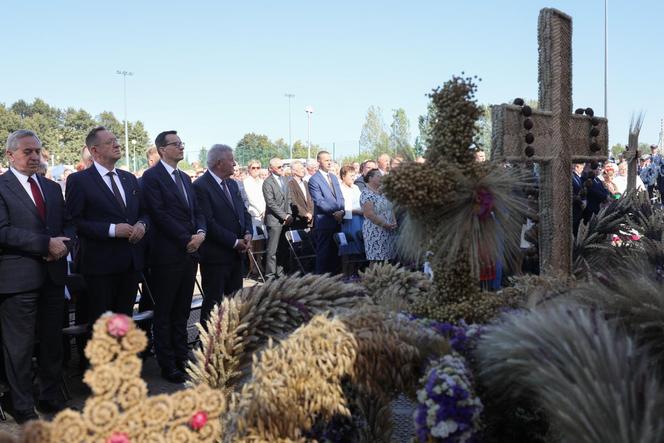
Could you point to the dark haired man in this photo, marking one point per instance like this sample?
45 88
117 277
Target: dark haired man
107 209
328 214
177 233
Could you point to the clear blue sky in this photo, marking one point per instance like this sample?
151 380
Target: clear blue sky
215 70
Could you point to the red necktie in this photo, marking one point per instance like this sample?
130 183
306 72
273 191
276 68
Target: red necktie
39 200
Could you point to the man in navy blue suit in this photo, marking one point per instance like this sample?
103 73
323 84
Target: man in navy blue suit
106 206
578 196
34 235
228 225
596 192
328 214
177 232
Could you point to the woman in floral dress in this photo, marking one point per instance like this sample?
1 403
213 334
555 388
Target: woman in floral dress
379 228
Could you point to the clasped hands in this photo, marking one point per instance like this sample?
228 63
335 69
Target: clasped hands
195 242
57 248
244 244
133 233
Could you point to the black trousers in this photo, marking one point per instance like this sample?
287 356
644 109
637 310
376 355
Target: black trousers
172 288
19 315
113 292
219 280
276 253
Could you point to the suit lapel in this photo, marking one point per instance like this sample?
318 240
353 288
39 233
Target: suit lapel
13 184
129 190
217 188
170 183
97 178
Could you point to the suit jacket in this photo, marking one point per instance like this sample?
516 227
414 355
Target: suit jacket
301 204
24 236
325 202
174 220
225 223
597 194
93 208
277 203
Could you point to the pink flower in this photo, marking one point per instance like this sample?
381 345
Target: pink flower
198 420
118 325
635 237
118 437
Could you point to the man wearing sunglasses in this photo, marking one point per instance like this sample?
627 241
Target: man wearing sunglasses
277 218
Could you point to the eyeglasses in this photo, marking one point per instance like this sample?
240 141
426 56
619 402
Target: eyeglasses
278 167
111 142
255 167
176 144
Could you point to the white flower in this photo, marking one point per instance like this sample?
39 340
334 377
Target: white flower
444 428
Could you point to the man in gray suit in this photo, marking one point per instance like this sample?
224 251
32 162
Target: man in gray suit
277 218
33 247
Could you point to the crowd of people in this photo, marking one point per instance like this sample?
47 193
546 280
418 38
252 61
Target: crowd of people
160 229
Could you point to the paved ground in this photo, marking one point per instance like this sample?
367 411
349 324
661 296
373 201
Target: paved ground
151 374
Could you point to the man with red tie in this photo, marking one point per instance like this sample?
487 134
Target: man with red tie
34 236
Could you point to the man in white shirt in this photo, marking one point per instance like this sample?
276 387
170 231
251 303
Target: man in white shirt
384 164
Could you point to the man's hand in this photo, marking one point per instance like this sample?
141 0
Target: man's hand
137 232
241 245
338 216
288 221
247 240
123 230
308 216
195 242
57 248
390 226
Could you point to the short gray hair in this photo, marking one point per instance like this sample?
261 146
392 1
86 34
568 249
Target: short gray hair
215 152
312 163
14 137
296 163
273 162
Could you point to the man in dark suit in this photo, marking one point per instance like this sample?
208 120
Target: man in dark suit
596 192
178 231
106 206
228 228
302 206
578 197
328 214
33 235
278 218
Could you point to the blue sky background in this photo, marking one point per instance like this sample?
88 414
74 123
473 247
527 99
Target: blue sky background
215 70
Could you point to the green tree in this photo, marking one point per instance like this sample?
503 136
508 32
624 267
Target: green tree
617 149
400 136
374 137
424 124
281 149
202 155
254 146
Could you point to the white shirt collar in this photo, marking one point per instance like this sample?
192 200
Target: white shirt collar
215 176
22 177
168 167
102 170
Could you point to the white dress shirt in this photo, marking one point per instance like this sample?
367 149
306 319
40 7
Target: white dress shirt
23 179
107 180
253 187
351 200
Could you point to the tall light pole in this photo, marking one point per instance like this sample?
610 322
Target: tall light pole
309 110
290 134
124 75
133 144
606 56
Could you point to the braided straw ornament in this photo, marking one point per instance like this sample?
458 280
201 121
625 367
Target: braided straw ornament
120 406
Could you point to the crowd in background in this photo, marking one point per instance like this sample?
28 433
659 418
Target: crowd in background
159 229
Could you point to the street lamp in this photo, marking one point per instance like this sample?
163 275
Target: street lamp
309 110
124 75
290 137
